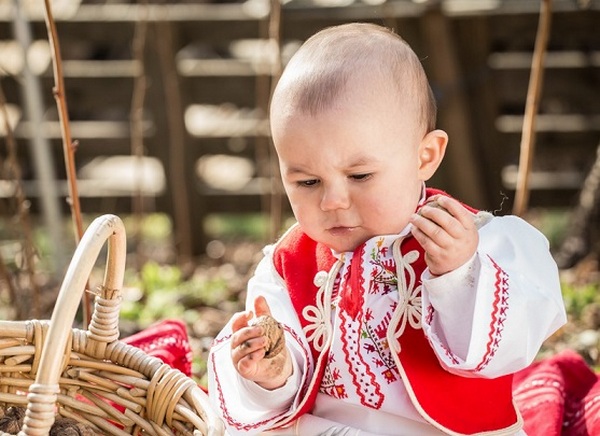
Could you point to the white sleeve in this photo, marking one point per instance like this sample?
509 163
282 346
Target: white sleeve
490 317
244 406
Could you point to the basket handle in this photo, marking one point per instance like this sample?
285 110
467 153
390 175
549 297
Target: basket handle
43 392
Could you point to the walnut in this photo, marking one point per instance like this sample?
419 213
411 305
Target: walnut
432 203
479 219
70 427
274 334
12 421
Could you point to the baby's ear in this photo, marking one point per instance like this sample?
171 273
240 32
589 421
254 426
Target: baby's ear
431 153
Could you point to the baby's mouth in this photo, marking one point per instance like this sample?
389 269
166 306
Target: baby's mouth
339 230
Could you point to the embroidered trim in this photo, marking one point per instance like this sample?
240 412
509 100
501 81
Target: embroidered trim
409 296
279 419
430 314
225 410
449 354
318 317
363 379
351 294
498 315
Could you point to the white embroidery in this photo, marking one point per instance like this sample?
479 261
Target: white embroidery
316 330
318 317
409 296
320 278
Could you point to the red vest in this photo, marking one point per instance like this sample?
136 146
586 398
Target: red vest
450 402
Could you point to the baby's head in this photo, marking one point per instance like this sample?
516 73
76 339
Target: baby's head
353 121
331 61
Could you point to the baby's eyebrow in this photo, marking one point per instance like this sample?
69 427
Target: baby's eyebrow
359 162
362 161
290 171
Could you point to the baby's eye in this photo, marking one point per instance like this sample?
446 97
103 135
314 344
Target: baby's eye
307 183
361 177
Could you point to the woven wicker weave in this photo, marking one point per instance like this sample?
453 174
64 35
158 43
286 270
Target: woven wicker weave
91 376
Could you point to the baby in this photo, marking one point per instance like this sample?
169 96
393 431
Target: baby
404 311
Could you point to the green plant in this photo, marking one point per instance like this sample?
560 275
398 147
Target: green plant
159 295
159 292
576 297
230 226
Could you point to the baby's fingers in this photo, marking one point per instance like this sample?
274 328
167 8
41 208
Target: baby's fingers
428 232
249 348
457 211
240 320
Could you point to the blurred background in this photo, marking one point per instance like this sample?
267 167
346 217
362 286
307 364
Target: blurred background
167 103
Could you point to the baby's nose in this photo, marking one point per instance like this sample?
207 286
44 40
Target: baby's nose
335 197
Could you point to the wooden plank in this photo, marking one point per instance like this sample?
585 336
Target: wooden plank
221 67
87 189
206 12
565 123
521 60
80 129
544 180
101 69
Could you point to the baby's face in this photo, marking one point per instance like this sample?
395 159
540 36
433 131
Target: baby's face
350 172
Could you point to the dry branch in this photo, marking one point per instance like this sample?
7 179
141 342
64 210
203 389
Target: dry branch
68 145
531 108
136 119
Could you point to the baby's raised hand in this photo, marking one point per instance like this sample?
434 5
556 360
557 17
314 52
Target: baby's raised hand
258 350
447 232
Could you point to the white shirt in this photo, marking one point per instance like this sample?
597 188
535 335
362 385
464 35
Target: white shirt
461 300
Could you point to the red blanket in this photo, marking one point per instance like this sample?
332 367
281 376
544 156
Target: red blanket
168 340
559 395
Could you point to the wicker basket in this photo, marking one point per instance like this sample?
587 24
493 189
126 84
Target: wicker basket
92 376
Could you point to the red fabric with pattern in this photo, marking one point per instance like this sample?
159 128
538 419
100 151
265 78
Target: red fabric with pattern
559 395
168 340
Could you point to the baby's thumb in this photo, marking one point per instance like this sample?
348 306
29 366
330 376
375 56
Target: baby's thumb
261 307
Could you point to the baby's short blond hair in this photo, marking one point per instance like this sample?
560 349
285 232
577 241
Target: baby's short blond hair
317 74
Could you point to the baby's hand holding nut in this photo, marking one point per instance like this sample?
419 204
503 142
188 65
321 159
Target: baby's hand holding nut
273 332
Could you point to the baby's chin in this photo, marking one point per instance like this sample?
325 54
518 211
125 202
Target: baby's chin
346 245
351 241
338 246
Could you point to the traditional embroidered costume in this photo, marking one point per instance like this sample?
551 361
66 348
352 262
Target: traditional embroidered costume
383 347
